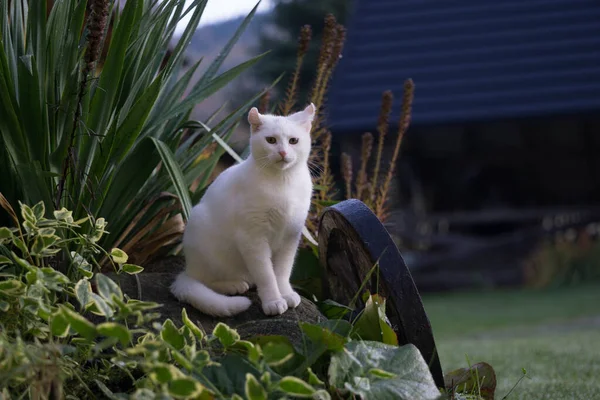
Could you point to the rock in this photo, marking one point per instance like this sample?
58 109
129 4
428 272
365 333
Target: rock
154 284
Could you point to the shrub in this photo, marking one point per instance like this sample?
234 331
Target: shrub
87 118
50 348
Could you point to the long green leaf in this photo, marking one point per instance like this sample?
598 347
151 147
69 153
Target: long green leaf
176 176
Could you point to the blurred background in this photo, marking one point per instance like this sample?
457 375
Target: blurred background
497 183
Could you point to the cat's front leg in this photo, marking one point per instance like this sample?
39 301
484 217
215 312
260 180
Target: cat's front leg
256 253
283 262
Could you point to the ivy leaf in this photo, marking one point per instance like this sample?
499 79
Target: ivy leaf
277 353
313 379
102 307
253 389
112 329
131 269
164 373
5 234
83 292
185 387
39 210
227 336
193 327
5 260
400 372
295 387
4 306
59 326
81 325
171 335
107 287
64 215
119 256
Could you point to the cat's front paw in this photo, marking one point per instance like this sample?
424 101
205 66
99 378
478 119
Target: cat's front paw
275 307
293 299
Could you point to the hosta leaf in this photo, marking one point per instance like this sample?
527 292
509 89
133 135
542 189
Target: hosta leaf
112 329
131 269
226 335
171 335
295 387
253 389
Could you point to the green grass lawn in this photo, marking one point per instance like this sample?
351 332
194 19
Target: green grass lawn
553 334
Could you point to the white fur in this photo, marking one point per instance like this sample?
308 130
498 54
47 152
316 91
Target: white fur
246 229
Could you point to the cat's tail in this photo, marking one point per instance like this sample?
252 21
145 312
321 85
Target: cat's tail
200 296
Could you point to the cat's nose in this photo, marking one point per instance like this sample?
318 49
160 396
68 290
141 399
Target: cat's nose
282 154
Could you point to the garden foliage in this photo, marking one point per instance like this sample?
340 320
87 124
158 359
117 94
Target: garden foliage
94 113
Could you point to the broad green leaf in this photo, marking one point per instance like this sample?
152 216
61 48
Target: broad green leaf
226 335
101 306
185 387
143 394
324 336
131 269
112 329
333 310
83 292
12 287
277 353
295 387
59 325
253 389
81 325
176 175
313 379
164 373
171 335
5 234
353 368
119 256
193 327
107 287
372 324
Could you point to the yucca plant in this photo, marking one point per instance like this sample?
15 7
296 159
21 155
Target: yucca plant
110 138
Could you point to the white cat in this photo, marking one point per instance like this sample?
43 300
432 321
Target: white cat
246 229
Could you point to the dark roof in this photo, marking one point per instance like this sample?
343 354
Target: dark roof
469 59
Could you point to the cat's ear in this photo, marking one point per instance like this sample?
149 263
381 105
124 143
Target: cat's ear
254 119
305 117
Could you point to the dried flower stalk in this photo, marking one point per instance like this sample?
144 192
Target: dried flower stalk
387 100
97 20
405 115
347 173
265 99
291 94
365 155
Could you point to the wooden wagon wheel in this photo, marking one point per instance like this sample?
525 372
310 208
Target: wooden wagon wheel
351 241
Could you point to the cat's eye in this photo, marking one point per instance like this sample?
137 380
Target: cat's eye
271 140
294 140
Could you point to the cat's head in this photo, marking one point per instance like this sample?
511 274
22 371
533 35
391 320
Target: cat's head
281 142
